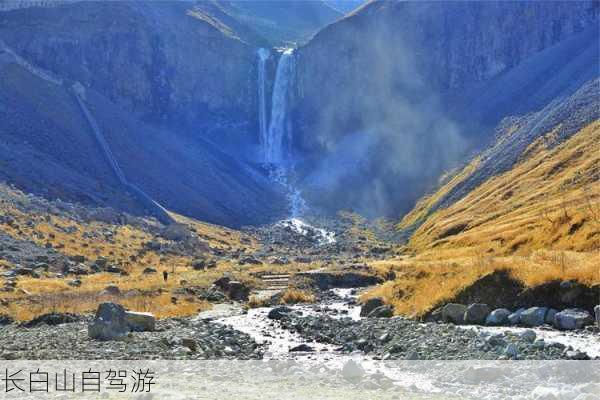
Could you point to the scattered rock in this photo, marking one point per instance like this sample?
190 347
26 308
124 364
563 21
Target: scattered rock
454 313
528 336
511 351
190 344
149 270
597 314
109 323
140 322
498 317
74 282
237 291
476 314
534 316
176 232
370 305
515 318
199 265
250 260
51 319
550 316
111 290
385 311
278 313
572 318
302 348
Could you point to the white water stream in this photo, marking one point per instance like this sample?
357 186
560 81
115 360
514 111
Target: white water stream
465 379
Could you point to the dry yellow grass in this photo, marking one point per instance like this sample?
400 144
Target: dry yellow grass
295 296
540 221
424 206
124 247
551 199
422 282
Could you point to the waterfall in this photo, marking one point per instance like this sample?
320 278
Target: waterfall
276 138
277 141
263 55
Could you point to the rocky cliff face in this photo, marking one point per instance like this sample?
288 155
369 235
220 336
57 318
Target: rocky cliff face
160 60
164 84
399 91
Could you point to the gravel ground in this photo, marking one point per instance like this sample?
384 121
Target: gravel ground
180 339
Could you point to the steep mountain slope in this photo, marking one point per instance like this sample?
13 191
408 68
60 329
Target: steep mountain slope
134 94
160 60
550 199
345 6
281 21
398 103
523 214
516 137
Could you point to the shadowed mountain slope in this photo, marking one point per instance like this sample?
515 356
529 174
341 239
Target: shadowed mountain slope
387 107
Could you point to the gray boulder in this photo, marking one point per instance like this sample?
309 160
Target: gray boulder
237 291
476 313
140 321
370 305
109 323
597 314
515 318
550 316
278 313
572 318
385 311
498 317
454 313
111 290
534 316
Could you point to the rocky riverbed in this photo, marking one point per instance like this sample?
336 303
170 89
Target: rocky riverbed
181 339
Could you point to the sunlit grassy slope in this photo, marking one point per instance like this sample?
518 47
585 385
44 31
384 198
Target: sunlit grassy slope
123 245
540 220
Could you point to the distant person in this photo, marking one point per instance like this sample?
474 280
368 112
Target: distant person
165 275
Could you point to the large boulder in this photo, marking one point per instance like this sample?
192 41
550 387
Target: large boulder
534 316
237 291
498 317
572 318
454 313
278 313
111 290
370 305
385 311
515 318
476 314
550 316
140 321
597 314
109 323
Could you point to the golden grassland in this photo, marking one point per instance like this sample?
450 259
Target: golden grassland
540 221
124 247
295 296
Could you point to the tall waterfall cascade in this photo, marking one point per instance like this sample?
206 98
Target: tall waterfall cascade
263 56
277 143
276 137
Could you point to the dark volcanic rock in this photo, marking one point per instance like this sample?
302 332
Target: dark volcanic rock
52 319
370 305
